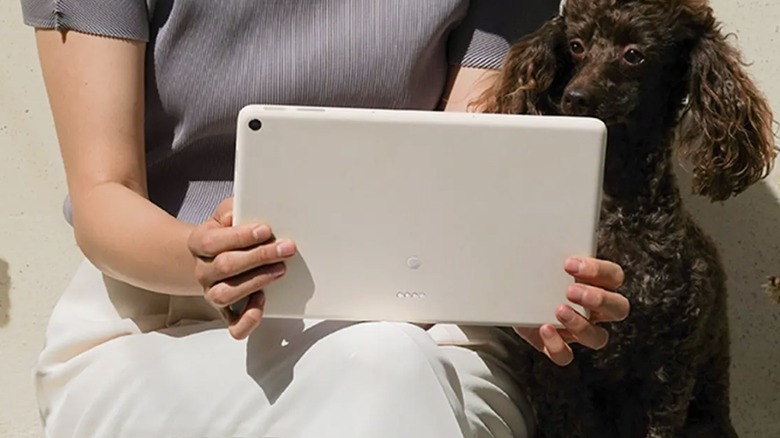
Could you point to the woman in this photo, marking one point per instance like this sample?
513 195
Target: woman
144 98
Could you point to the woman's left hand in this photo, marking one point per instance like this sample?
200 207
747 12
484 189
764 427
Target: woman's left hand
594 291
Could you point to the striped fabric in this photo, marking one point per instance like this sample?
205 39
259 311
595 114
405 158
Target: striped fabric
207 59
121 19
483 49
490 26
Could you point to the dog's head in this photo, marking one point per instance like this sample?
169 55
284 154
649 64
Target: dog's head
640 62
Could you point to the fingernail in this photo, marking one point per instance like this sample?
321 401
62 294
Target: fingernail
226 218
548 331
261 232
576 292
566 315
277 270
574 265
285 248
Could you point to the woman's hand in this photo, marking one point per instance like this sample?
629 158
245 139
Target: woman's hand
237 262
597 280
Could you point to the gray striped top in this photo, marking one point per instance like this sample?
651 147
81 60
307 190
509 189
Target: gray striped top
207 59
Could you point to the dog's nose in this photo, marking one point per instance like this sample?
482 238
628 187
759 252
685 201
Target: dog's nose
576 101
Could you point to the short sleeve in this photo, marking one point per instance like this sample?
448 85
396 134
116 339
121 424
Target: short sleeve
127 19
491 26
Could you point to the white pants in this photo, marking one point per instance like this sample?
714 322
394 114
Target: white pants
104 374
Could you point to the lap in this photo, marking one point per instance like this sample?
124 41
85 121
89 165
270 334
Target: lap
290 378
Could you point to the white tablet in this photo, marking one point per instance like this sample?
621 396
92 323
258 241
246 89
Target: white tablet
420 216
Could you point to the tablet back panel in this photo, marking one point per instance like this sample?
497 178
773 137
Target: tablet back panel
420 216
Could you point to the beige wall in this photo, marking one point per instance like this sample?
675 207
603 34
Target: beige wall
37 254
747 230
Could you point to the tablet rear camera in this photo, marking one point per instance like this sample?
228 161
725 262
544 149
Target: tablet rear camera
255 125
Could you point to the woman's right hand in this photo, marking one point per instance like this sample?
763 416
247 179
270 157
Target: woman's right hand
237 262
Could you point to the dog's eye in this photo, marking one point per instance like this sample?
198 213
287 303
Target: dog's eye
634 57
576 47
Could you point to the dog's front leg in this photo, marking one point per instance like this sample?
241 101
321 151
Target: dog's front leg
669 394
562 399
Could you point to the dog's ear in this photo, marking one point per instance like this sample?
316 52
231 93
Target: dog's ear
727 134
525 84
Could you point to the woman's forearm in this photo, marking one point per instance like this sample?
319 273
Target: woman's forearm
96 91
132 240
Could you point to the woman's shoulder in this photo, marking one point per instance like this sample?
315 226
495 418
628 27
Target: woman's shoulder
490 27
127 19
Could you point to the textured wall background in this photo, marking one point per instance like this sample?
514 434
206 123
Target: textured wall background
747 230
37 253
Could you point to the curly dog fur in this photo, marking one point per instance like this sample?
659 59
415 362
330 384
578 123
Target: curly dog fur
659 73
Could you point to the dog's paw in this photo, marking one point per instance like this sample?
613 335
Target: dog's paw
772 287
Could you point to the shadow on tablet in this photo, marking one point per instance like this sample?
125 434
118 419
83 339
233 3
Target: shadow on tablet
298 281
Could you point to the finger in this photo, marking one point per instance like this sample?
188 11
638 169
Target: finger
209 242
224 213
600 273
235 288
566 336
609 306
596 317
583 331
554 346
531 336
243 325
230 264
222 218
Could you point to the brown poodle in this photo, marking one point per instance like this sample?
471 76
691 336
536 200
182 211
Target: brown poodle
658 73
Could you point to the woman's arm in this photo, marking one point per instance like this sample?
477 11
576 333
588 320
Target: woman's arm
95 89
464 85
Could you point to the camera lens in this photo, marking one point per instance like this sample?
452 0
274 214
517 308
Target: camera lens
255 125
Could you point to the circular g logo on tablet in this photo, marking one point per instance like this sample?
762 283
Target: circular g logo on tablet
413 262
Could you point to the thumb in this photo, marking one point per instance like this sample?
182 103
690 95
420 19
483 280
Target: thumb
223 215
